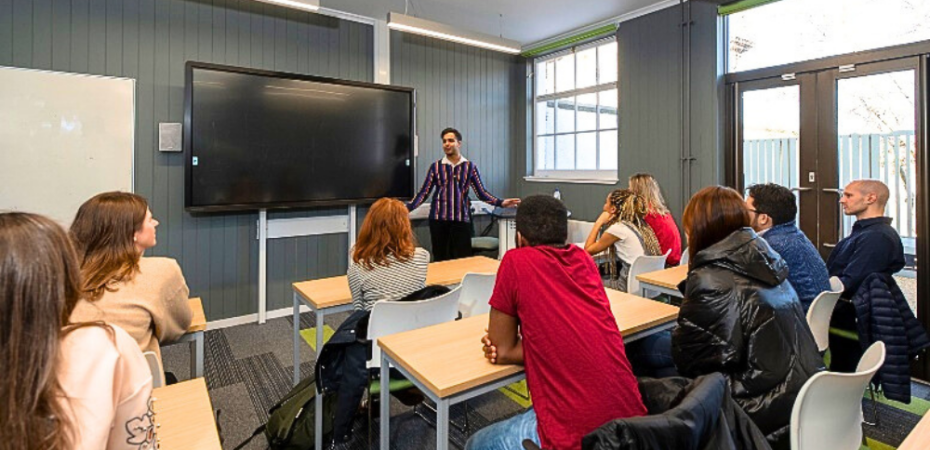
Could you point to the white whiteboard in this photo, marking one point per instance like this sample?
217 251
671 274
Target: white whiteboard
63 138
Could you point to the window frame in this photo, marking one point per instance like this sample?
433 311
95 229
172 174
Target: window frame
596 176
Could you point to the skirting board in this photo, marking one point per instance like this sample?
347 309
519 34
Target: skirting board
253 318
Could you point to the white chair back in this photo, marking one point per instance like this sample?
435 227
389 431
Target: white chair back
391 317
836 285
641 265
821 309
685 257
476 291
828 410
158 375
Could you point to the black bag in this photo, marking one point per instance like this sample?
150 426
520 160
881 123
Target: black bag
291 421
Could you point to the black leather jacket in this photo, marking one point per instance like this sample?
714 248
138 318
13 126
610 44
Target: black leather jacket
742 318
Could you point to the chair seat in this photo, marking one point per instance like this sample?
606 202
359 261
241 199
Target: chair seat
393 386
484 243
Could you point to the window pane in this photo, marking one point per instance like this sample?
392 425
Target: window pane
587 68
545 77
565 73
565 152
607 63
587 151
545 117
565 119
587 112
608 109
545 153
759 37
609 150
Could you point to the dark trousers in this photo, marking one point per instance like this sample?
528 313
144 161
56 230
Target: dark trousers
844 353
451 239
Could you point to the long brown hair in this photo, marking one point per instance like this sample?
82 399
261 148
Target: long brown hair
631 210
103 232
39 286
713 214
645 186
386 231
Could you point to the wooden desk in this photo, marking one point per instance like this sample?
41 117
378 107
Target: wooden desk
919 437
185 416
194 336
332 295
663 281
445 361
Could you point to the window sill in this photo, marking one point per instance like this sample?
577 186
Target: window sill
533 179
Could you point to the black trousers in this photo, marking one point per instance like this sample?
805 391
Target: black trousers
844 353
450 239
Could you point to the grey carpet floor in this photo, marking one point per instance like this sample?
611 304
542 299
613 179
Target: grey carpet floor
249 367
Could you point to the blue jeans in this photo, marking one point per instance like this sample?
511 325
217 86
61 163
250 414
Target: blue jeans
506 435
651 356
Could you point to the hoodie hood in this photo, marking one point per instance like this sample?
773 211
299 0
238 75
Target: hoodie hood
744 252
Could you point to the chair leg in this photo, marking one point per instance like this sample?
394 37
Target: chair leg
874 410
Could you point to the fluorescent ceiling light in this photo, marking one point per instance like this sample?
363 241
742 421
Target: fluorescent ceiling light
438 30
306 5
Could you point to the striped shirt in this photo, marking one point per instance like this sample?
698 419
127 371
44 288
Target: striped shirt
393 281
451 202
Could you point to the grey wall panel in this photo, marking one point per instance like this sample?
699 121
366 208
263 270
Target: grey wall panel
150 41
651 103
469 89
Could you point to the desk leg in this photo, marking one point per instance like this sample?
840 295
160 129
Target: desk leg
296 339
319 331
385 398
442 424
197 355
318 421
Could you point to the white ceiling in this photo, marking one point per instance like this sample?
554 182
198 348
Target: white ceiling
525 21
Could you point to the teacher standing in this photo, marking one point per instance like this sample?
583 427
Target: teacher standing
450 210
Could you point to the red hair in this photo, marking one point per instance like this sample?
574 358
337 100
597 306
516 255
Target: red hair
386 231
713 214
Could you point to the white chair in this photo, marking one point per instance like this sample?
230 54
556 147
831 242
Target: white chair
828 411
390 317
685 257
476 291
641 265
821 309
158 375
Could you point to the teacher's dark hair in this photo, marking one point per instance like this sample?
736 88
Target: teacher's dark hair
458 136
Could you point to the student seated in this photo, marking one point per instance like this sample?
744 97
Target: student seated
147 297
658 216
63 385
385 263
740 316
873 246
625 235
549 312
773 211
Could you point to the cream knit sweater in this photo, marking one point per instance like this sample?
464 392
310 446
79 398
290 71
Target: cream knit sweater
152 307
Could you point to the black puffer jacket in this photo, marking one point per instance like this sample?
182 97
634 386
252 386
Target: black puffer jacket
742 318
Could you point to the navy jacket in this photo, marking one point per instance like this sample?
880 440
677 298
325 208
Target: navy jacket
873 246
806 271
684 414
883 314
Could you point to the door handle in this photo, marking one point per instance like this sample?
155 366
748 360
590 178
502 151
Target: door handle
801 189
835 191
828 245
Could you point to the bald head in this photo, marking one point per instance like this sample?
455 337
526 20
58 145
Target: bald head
865 199
872 187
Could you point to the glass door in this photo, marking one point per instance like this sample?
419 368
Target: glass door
875 119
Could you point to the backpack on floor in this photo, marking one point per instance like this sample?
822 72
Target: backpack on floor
291 420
